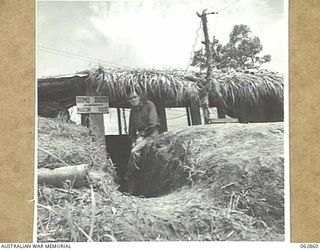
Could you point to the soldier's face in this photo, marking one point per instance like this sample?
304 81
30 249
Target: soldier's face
134 99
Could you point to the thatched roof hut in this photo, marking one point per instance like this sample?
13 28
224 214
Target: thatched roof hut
62 89
251 98
169 86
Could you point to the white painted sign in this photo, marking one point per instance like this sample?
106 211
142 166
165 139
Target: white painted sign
92 104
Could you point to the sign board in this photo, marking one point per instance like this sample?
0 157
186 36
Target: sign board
92 104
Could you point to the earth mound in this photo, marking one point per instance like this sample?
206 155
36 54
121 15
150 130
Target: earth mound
213 182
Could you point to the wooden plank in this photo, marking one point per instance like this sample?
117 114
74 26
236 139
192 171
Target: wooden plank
224 120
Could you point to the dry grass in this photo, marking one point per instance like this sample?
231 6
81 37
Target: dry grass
240 166
228 89
169 85
251 98
236 89
205 200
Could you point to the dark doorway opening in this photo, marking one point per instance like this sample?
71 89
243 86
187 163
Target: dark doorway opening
119 145
118 148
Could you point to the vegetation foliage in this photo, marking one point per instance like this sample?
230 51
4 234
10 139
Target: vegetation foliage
241 52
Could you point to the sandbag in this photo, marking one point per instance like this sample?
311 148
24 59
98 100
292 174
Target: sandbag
75 176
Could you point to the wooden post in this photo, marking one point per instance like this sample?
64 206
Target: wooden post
85 120
204 90
97 124
195 113
161 110
125 127
221 112
188 116
119 121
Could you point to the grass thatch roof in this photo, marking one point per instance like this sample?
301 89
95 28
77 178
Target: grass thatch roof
169 86
227 89
238 88
232 91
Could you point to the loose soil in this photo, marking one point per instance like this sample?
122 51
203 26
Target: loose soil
215 182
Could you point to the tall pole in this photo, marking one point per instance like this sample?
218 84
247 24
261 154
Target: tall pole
205 89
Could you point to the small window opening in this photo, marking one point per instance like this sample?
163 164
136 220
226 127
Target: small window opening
176 118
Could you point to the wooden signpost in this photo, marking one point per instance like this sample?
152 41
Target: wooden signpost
92 104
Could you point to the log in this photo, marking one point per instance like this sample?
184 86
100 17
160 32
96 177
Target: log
75 175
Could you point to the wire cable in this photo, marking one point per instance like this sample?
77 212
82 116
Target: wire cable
77 56
73 54
193 47
55 53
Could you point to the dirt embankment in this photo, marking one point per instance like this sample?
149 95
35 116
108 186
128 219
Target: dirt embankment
215 182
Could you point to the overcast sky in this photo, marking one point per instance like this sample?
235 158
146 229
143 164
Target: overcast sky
77 35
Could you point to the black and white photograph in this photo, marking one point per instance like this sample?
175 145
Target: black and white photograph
161 121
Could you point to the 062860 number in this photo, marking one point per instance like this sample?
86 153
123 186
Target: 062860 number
309 245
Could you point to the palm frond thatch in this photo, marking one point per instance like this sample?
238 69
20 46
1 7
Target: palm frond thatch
237 93
236 89
167 85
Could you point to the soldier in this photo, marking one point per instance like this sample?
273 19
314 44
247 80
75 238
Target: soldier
143 126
